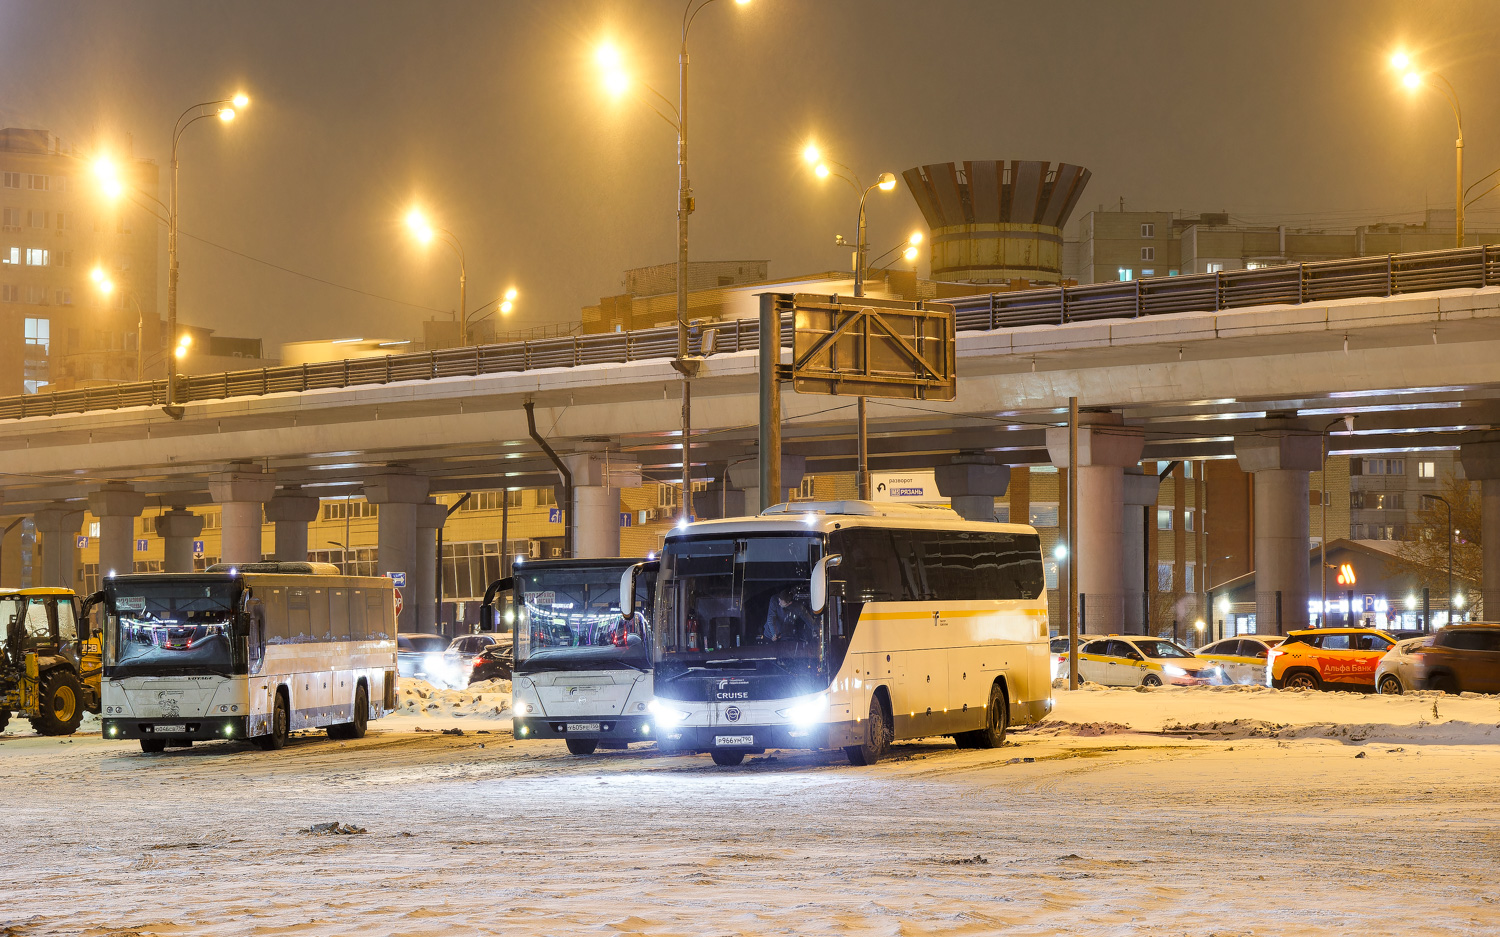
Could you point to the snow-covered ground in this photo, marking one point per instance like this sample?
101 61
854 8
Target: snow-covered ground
1202 811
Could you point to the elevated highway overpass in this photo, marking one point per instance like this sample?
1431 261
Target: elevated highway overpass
1243 372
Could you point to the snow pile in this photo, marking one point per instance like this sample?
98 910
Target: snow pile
1239 712
419 703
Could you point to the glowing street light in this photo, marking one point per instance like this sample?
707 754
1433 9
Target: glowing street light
1412 78
424 231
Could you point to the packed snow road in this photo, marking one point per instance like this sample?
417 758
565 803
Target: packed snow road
1129 813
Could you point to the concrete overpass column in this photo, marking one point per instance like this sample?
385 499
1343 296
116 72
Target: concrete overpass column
423 576
1105 447
291 511
746 477
597 480
1481 462
117 505
1281 461
178 528
1140 493
58 524
399 496
241 496
971 483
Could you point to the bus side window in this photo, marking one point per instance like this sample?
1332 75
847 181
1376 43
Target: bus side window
299 616
320 625
913 585
338 615
376 627
356 614
275 629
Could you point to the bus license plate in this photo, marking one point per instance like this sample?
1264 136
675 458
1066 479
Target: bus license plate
583 727
178 728
734 740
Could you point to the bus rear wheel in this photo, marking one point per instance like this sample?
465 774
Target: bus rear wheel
281 727
877 738
582 746
727 759
355 729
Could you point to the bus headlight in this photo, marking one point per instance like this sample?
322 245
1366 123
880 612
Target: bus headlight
520 707
808 712
666 715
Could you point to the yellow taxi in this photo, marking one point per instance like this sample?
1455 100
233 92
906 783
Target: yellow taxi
1136 660
1243 658
1328 658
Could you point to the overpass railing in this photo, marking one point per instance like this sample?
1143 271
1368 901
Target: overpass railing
1388 275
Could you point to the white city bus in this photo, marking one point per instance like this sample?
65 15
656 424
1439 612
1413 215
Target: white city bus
582 670
847 625
254 652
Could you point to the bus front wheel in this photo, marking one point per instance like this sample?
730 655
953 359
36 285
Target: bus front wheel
727 759
582 746
877 738
281 725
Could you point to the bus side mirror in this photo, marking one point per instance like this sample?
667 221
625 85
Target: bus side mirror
627 590
818 587
487 617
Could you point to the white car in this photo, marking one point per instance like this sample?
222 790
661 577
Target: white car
1395 674
1137 660
1243 658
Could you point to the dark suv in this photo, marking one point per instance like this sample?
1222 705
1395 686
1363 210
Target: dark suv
1461 658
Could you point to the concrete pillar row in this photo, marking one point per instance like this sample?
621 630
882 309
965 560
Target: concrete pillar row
117 505
1481 463
178 528
1105 447
597 480
971 483
241 496
423 580
58 524
1281 461
291 512
398 496
1140 492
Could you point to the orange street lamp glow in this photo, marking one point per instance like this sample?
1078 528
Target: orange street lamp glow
510 295
1411 79
420 229
887 182
822 171
1400 61
910 253
226 114
915 239
810 154
240 100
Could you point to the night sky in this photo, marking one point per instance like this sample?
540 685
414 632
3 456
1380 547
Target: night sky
492 116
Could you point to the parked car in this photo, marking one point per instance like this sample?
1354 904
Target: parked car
420 657
1134 660
1396 672
460 655
1059 653
1462 658
493 663
1243 658
1329 658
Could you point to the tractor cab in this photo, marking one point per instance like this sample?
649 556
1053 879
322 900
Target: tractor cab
49 659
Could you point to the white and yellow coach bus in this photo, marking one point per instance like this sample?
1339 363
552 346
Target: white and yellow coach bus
848 625
254 652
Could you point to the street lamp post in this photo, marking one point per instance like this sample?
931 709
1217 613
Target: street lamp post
885 183
424 231
1449 506
1348 422
617 82
224 110
1411 78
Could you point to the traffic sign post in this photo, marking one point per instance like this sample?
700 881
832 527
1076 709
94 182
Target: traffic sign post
399 578
197 547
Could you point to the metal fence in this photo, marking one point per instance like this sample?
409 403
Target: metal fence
1388 275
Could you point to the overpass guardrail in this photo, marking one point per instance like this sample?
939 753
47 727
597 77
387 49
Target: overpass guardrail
1386 275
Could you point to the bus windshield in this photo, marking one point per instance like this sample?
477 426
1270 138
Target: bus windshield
172 627
569 619
739 602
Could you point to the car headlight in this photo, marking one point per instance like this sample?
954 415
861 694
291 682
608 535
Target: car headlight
1172 670
807 712
666 715
520 707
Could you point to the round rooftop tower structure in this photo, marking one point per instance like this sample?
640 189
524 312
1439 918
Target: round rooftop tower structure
995 221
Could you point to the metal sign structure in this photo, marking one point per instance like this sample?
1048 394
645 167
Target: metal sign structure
863 347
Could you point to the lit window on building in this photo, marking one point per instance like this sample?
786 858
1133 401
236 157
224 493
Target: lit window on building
1163 577
1163 518
36 257
1126 273
1427 470
39 332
